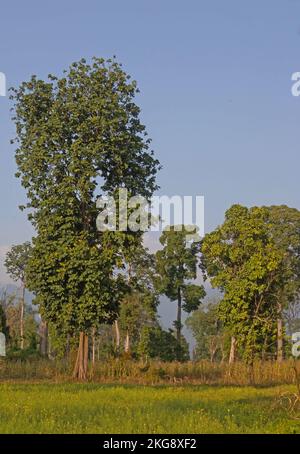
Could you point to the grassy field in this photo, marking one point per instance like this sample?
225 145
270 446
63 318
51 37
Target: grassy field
96 408
124 371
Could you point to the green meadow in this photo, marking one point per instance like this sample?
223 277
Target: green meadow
95 408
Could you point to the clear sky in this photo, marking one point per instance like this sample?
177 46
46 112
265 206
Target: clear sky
215 80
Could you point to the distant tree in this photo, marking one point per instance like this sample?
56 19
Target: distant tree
208 332
16 262
176 266
137 310
103 347
11 309
139 306
79 137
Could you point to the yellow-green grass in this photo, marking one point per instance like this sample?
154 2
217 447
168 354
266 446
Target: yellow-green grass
95 408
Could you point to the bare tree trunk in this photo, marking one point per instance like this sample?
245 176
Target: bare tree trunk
213 352
223 351
22 317
127 343
81 365
232 350
178 322
85 357
279 335
117 329
93 347
49 347
43 332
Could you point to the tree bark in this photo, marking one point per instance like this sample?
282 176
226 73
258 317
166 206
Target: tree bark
127 343
213 350
178 322
43 338
279 335
22 317
93 347
117 329
81 365
232 350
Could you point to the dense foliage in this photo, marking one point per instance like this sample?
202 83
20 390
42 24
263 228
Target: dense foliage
79 137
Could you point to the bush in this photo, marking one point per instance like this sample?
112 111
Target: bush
22 355
162 345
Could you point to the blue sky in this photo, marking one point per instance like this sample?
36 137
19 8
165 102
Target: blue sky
215 80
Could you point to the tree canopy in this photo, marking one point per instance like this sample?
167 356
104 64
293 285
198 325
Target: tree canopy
252 258
79 136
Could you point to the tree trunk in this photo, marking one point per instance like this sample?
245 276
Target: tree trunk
81 365
279 335
43 331
22 317
93 347
117 335
127 343
232 350
178 322
213 351
49 347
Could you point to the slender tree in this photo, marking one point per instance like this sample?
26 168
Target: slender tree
16 262
176 266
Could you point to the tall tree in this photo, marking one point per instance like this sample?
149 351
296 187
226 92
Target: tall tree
241 258
16 262
79 137
176 266
285 230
